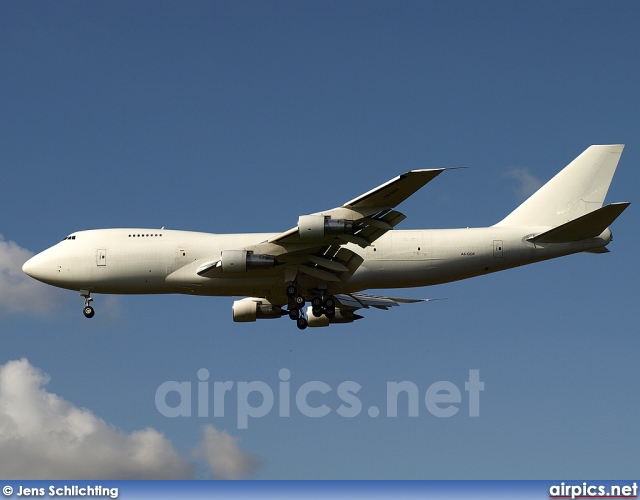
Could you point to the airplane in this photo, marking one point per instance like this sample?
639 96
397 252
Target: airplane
330 258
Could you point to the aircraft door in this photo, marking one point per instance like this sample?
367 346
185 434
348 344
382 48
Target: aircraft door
101 257
498 251
182 256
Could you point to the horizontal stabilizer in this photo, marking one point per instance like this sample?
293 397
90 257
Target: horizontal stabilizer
588 226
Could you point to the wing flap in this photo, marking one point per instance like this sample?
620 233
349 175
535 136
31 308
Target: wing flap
318 273
332 265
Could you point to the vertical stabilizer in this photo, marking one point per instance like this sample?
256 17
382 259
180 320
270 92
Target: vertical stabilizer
578 189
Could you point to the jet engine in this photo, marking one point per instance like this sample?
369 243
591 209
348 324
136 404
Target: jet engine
252 308
340 317
312 227
239 261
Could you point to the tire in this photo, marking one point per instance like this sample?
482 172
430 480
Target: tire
301 323
294 314
291 291
330 313
330 303
88 312
316 302
299 301
316 311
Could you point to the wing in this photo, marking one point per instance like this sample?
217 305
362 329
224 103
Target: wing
365 218
347 304
315 247
354 301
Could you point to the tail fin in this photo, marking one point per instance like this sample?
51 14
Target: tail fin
578 189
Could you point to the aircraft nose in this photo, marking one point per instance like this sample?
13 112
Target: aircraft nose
26 267
39 267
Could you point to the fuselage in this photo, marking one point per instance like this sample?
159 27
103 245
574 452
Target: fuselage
152 261
332 255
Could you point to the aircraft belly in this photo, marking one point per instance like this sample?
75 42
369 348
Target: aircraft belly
254 287
253 283
383 273
445 256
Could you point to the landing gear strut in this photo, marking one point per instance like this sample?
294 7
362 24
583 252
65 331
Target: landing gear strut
88 311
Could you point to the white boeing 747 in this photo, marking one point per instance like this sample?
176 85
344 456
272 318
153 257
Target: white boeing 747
330 257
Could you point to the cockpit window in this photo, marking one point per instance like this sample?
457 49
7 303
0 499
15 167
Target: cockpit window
71 237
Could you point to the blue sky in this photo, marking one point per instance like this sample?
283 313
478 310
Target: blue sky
241 116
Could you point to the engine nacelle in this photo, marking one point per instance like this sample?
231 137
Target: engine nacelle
251 309
340 317
313 227
314 322
239 261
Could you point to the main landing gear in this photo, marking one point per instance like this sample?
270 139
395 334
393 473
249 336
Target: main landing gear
296 303
323 305
88 311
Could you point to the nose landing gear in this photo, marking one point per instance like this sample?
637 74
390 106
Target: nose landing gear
88 311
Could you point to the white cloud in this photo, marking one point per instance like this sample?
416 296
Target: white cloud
527 183
19 292
225 458
42 436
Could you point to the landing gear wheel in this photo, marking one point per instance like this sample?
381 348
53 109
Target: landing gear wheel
316 302
294 314
330 303
292 291
316 311
330 313
88 312
302 323
299 301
